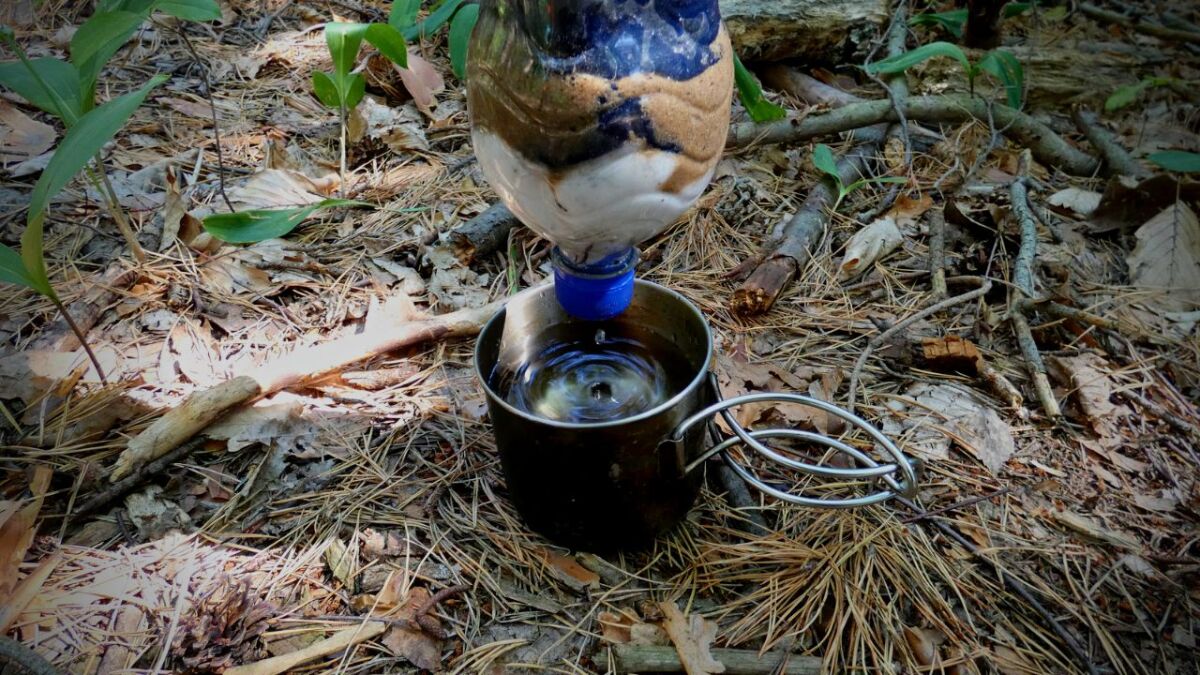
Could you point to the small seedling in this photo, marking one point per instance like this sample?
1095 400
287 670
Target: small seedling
1125 96
998 63
343 89
823 159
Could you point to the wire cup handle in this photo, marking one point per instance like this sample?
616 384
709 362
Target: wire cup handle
907 468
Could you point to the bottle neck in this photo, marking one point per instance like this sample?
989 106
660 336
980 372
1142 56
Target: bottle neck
598 291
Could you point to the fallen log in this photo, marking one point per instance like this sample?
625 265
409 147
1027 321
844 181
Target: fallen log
813 30
303 365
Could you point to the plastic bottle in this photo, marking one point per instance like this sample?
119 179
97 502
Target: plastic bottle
598 123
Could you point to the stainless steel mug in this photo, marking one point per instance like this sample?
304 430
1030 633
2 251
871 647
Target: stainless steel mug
619 483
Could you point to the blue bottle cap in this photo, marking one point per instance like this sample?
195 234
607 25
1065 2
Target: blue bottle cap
598 291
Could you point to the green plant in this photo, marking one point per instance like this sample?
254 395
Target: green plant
462 18
1124 96
822 158
751 94
998 63
67 90
247 227
1177 161
955 21
343 89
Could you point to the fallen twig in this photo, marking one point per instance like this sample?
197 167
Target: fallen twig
310 363
122 487
1023 279
1048 147
985 285
937 252
1115 157
482 235
1136 24
330 645
631 658
925 515
428 623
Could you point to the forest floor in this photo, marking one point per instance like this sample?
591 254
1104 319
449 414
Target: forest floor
293 522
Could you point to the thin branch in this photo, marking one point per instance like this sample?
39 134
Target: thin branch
1047 146
985 285
937 252
1118 160
212 109
1136 24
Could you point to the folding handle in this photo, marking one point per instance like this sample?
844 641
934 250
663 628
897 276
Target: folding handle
899 476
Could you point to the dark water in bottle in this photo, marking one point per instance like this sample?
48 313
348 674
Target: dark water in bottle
594 372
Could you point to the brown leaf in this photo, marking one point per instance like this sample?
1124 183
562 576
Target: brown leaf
398 128
1093 390
422 81
870 244
341 561
569 571
923 649
1167 258
692 636
29 374
17 530
173 211
281 188
974 426
22 137
1127 202
907 210
614 627
421 649
1090 528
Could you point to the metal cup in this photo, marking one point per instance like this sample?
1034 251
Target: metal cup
620 483
598 486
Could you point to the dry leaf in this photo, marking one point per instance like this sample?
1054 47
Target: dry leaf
281 188
173 210
1082 202
569 571
871 243
340 561
1093 390
692 636
230 275
976 427
278 422
22 137
1090 528
17 530
153 516
421 649
197 109
1167 258
422 81
615 628
921 644
907 210
29 374
398 128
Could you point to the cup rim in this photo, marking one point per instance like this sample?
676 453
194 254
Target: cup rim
697 380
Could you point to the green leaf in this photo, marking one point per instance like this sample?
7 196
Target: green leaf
404 13
12 268
953 21
1007 69
247 227
1177 161
389 42
326 90
460 38
356 88
1125 96
344 39
751 94
34 258
902 62
822 158
60 77
190 10
440 15
1013 9
97 40
83 140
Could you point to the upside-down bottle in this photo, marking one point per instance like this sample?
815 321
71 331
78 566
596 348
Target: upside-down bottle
598 123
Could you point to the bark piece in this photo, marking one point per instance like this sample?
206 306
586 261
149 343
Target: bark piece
815 30
482 235
692 636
